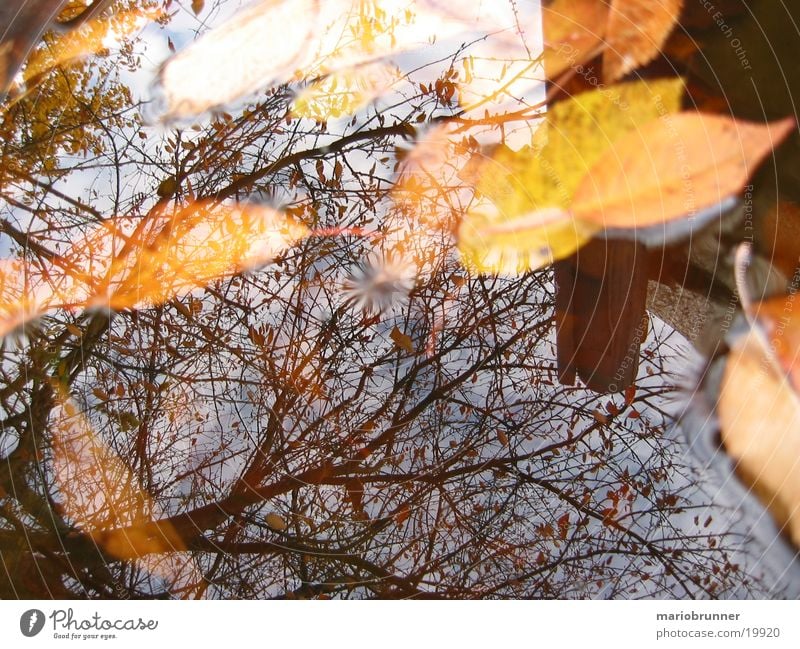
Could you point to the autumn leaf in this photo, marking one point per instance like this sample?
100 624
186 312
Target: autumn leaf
573 33
126 263
513 246
402 513
635 32
273 42
673 167
777 320
759 415
402 341
526 223
202 243
264 42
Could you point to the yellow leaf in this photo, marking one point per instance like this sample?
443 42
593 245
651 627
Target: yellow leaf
402 341
635 32
512 246
275 522
573 33
127 262
674 167
528 226
759 416
580 130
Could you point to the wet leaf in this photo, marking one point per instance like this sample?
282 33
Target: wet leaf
528 226
126 263
497 245
635 32
573 33
99 495
778 322
673 167
759 416
264 42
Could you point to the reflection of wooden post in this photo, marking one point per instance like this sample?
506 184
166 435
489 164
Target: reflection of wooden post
601 293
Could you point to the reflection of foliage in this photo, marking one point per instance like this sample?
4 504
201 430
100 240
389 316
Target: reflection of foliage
68 99
216 427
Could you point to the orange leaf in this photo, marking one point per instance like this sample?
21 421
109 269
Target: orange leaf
402 341
635 32
779 321
573 33
759 415
674 167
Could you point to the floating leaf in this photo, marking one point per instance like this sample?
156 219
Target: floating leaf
778 321
264 42
498 245
126 263
759 416
573 33
674 167
272 41
529 226
99 495
635 32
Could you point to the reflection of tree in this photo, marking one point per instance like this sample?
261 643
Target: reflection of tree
289 445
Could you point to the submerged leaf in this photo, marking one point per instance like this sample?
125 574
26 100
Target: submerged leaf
262 43
99 494
126 263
